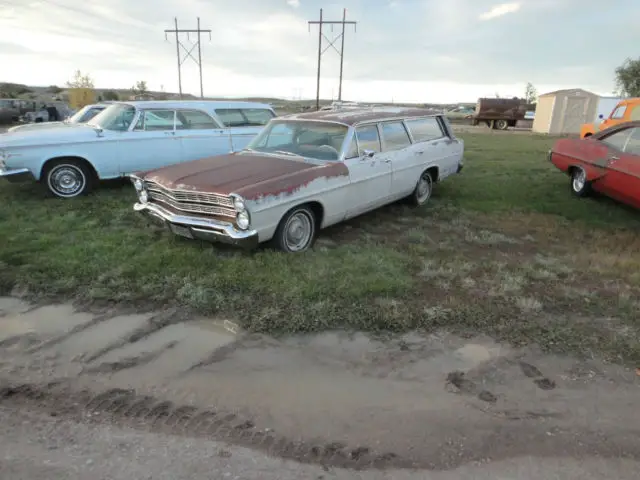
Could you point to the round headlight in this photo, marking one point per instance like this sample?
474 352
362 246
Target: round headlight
243 220
137 183
144 197
238 204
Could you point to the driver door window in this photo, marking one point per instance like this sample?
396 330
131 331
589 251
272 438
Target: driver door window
156 120
368 139
618 140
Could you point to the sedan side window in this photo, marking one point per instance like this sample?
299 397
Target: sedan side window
617 140
424 129
635 113
156 120
368 139
395 136
633 143
231 117
256 117
196 120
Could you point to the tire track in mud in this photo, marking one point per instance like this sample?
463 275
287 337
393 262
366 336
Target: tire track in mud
147 412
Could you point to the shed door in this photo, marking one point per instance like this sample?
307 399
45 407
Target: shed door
574 114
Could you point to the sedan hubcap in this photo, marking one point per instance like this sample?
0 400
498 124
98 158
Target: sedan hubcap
298 231
66 180
579 180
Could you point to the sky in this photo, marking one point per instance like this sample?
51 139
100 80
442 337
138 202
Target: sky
401 50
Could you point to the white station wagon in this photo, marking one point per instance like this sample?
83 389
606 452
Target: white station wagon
128 137
303 173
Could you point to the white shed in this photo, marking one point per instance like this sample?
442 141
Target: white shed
564 111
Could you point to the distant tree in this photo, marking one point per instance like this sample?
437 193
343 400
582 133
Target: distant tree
80 81
628 78
140 88
54 89
530 93
110 95
497 95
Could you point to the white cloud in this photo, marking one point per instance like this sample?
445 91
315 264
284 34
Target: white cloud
501 10
293 3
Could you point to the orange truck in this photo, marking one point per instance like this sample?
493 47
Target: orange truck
626 110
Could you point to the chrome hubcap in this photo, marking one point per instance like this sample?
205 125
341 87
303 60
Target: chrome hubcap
66 180
579 180
298 232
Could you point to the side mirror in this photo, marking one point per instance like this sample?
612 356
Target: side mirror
368 153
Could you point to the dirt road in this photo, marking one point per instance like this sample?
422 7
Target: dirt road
435 402
40 447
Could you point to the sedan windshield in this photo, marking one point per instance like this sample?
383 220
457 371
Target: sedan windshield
317 140
116 117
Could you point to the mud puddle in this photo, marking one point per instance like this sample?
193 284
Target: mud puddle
436 401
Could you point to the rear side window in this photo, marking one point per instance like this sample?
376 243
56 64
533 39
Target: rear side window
195 120
244 117
424 129
257 116
395 136
368 138
635 113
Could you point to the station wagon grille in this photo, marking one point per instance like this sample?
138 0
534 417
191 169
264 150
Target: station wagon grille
193 202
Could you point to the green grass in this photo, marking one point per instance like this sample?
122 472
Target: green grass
502 249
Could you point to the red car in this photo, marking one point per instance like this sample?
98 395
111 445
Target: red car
607 162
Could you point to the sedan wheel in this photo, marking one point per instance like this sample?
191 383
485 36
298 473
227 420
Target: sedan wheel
296 231
424 187
68 179
580 186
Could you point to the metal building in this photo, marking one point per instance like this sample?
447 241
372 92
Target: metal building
564 111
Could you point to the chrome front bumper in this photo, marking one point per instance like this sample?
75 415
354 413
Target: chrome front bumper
197 227
15 175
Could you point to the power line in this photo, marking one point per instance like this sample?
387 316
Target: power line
182 59
340 52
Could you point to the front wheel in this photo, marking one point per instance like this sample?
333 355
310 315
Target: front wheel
422 193
580 186
297 231
68 178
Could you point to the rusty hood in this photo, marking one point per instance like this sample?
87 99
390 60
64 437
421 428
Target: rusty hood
247 174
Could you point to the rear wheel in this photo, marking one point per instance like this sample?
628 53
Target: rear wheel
580 186
422 192
501 124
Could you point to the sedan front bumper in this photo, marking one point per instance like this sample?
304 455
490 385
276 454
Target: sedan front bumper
198 228
16 175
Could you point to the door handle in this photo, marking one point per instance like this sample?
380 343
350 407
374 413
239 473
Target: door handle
388 160
613 158
420 152
169 133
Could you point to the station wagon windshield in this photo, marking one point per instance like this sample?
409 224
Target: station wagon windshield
317 140
116 117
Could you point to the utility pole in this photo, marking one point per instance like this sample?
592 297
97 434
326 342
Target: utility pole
181 59
340 52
